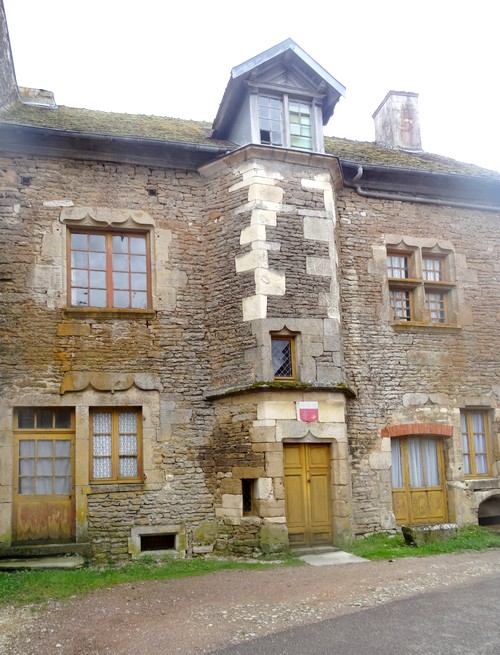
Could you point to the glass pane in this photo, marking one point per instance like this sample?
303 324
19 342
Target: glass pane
26 418
127 422
121 262
481 464
431 463
396 469
138 245
98 279
79 241
63 448
101 445
97 298
44 466
62 466
63 420
97 242
139 300
79 278
128 444
120 243
467 465
79 260
415 462
121 281
79 297
62 485
27 448
44 419
138 282
45 448
101 467
101 422
26 467
26 486
43 486
282 357
97 261
121 299
138 264
478 422
128 467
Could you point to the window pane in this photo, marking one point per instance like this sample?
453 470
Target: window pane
120 244
97 261
138 245
62 485
138 264
97 242
63 448
26 448
43 486
26 419
97 298
44 419
63 420
101 422
62 466
431 463
121 299
101 467
397 266
432 269
396 469
79 241
26 486
138 282
127 422
400 304
27 467
102 445
128 467
79 278
79 260
128 444
435 304
45 448
282 357
79 297
44 466
415 462
97 280
121 281
121 262
139 300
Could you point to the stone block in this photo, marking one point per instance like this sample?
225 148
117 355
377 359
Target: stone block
265 192
248 472
291 430
254 307
263 217
252 233
264 489
274 465
276 410
249 261
331 412
318 229
426 534
263 435
73 330
270 282
226 512
271 508
319 266
380 461
273 538
230 486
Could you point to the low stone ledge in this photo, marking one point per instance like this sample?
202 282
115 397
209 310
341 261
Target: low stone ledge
417 535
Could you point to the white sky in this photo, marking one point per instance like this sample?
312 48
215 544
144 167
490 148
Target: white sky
173 58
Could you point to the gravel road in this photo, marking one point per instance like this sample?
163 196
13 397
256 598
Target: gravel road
194 616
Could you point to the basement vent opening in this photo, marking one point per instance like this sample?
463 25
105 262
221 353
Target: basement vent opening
152 191
150 542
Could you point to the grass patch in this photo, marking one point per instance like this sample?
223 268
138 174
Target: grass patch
382 546
28 587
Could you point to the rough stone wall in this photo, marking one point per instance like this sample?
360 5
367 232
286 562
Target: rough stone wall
414 374
42 343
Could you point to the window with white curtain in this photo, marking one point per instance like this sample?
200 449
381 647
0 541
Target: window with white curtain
475 443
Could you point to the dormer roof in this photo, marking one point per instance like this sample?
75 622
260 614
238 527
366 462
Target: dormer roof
285 66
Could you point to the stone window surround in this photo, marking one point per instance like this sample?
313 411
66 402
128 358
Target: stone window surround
417 249
164 282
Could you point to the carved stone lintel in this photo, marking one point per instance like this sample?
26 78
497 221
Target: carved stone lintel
79 381
95 216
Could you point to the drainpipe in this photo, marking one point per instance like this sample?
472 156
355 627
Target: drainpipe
387 195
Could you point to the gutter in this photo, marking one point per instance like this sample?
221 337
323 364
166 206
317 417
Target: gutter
402 197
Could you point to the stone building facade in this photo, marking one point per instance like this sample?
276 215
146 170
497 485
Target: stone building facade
235 340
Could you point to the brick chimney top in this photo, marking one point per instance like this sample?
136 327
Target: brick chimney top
397 123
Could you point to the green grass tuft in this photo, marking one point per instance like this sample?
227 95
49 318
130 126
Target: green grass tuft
382 546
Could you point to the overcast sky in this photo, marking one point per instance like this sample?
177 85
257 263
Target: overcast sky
173 58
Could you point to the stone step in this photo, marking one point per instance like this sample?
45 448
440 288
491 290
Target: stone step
33 563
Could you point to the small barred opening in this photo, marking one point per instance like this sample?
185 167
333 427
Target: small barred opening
151 542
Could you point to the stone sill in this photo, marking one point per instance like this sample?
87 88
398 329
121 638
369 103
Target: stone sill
479 484
106 314
279 385
403 326
113 487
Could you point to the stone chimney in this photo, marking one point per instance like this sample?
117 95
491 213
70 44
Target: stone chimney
397 123
37 97
8 85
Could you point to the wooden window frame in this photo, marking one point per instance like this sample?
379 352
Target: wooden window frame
109 234
115 453
467 416
290 338
286 135
418 286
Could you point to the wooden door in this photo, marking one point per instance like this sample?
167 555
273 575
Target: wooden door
307 494
418 481
44 509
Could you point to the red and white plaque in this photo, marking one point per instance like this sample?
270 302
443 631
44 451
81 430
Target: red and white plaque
308 411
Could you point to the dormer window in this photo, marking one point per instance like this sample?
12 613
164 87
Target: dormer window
285 122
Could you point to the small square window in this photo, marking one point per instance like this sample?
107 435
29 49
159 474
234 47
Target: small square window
247 490
283 353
